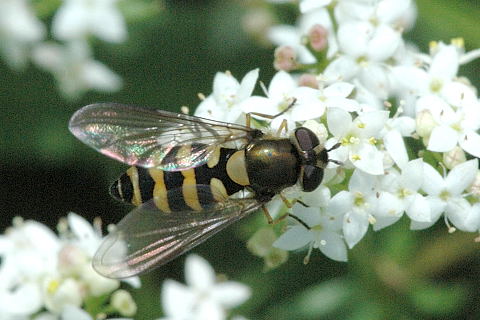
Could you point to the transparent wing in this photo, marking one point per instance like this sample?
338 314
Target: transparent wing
151 138
147 237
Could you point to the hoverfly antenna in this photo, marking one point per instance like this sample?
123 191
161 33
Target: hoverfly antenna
337 162
335 146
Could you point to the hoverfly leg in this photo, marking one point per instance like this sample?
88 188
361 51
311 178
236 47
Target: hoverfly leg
270 220
269 116
290 204
299 221
283 126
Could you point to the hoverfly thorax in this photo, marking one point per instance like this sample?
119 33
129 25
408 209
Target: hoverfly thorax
314 158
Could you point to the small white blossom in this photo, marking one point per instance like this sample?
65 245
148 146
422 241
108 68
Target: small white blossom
452 126
359 204
445 195
224 103
364 48
78 18
59 293
23 246
323 232
19 30
358 138
402 195
40 270
74 69
203 297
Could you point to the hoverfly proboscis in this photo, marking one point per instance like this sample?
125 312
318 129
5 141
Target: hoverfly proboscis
185 177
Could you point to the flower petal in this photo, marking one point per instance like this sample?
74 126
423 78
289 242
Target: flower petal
339 121
334 246
355 226
470 142
433 182
231 294
462 176
199 273
442 139
294 238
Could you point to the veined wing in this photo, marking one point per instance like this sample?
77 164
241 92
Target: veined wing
154 138
147 238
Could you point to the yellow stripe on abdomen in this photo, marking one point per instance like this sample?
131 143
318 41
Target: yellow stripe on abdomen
189 190
133 175
160 190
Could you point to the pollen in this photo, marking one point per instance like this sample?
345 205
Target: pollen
457 127
356 157
372 140
444 195
436 85
458 42
403 193
361 125
53 286
359 200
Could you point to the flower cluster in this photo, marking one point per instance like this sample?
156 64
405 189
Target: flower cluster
204 297
69 58
406 122
48 276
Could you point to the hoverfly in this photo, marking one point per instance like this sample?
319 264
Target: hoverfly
186 176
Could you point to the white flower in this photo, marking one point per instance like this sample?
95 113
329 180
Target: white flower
203 298
401 195
83 241
365 48
19 29
453 125
359 204
358 138
59 293
439 78
323 232
224 102
309 103
39 270
70 312
74 69
77 18
445 195
28 252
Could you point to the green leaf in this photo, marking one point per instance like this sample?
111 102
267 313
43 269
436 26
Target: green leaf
438 299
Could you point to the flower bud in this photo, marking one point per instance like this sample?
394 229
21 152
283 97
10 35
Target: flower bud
318 37
425 123
123 302
475 187
285 58
308 80
261 242
454 157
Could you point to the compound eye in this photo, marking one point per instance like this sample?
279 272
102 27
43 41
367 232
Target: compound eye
311 178
306 139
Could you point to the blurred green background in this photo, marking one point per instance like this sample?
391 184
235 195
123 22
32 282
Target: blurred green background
168 59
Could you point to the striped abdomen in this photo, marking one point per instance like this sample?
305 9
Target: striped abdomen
191 189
